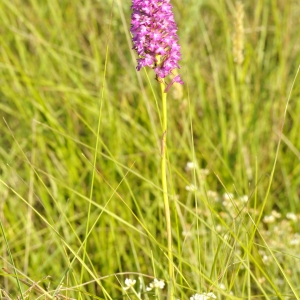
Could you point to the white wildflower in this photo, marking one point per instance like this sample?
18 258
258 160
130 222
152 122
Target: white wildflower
295 240
218 228
227 204
204 172
265 259
129 284
226 237
223 287
269 219
291 216
204 296
212 194
228 196
244 199
276 214
261 280
156 284
191 188
190 166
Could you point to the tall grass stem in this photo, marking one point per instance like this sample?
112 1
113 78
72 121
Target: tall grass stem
165 189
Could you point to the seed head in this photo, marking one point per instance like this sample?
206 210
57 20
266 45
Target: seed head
238 36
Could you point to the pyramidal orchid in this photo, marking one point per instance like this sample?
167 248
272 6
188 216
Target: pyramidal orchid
155 40
154 37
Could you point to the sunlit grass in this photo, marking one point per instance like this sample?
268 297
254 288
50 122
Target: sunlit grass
235 209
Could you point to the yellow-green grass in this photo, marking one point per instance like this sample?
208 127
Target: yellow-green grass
69 87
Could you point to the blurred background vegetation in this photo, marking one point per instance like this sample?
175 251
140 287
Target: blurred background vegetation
66 64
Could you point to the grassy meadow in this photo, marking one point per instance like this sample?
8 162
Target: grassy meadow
81 203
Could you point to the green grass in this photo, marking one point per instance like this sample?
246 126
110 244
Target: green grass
80 142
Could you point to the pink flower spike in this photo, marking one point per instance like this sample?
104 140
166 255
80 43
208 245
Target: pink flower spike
154 34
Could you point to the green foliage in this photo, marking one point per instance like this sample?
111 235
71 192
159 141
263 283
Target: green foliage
65 65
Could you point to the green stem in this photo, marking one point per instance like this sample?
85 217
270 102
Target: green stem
165 189
12 261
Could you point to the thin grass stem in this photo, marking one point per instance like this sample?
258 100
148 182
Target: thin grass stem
96 149
12 261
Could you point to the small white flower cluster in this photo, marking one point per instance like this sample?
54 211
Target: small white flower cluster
156 284
244 199
265 258
204 296
214 195
276 214
269 219
228 196
191 188
272 217
233 204
204 172
129 284
291 216
223 287
190 166
295 240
